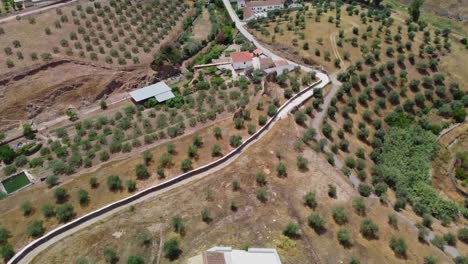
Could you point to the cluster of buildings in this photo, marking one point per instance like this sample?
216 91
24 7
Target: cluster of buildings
260 8
244 60
227 255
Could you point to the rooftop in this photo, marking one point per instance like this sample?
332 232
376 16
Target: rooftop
161 91
234 256
242 56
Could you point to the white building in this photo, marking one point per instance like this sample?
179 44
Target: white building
241 60
227 255
160 91
258 8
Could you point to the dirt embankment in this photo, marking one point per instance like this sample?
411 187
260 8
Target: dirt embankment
43 92
453 9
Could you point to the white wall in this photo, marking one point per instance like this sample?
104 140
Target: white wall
241 65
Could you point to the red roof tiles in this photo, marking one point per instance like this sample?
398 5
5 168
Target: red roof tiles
242 56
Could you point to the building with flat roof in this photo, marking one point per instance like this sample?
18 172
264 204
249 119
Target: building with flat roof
227 255
160 91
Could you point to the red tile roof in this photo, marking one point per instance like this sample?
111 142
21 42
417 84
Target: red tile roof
281 63
266 63
242 56
248 12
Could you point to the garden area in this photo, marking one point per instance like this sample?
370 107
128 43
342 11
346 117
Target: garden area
15 182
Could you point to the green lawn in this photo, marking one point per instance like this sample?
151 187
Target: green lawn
16 182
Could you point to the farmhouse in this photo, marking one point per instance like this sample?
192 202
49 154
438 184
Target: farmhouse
227 255
241 60
159 91
258 8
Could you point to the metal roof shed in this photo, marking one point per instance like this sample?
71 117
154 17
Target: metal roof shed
161 91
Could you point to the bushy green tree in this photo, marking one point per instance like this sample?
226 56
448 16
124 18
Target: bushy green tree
292 230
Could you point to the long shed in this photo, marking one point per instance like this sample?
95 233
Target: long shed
160 91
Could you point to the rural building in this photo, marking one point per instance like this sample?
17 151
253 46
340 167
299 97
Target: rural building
258 8
160 91
266 63
227 255
241 60
257 52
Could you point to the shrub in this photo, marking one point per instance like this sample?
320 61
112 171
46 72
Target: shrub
302 163
235 185
52 181
260 177
339 215
235 141
171 249
262 195
83 197
186 165
398 245
344 237
439 242
430 260
114 183
427 220
4 235
27 208
369 229
64 212
450 238
316 222
359 206
292 230
131 185
135 260
60 195
463 234
309 200
6 252
281 169
206 216
365 190
35 229
48 210
93 182
331 190
178 224
147 157
110 255
141 171
393 220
